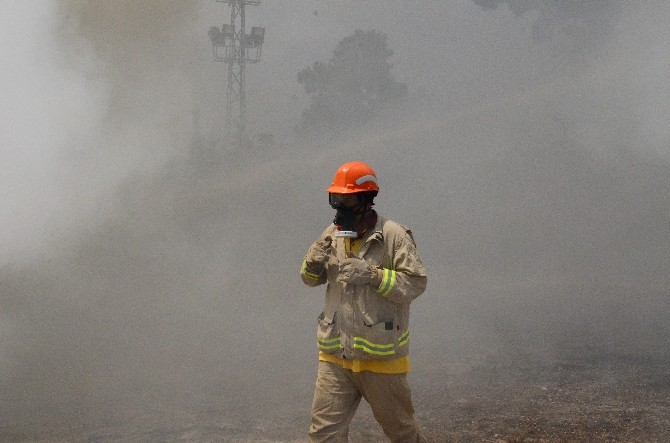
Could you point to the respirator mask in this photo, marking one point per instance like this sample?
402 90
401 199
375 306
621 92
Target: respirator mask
347 211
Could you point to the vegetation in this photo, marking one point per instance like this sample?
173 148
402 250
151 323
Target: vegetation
352 86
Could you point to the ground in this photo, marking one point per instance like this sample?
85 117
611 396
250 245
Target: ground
610 400
597 400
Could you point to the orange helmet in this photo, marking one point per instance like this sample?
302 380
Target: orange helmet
354 177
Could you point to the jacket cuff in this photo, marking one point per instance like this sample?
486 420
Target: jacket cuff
310 271
387 282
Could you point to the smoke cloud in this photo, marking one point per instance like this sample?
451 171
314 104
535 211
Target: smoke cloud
47 106
149 283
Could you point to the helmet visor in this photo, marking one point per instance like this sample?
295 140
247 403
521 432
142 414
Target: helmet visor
351 201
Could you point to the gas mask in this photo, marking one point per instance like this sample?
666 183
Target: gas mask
345 216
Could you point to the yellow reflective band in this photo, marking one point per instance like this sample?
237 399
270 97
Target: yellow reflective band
308 274
397 365
373 348
388 282
331 343
404 338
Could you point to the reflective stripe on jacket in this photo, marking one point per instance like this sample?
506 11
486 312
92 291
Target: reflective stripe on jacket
361 321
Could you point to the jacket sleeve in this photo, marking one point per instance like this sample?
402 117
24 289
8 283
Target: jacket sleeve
407 280
313 269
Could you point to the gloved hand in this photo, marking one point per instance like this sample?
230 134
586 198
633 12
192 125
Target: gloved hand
356 271
317 255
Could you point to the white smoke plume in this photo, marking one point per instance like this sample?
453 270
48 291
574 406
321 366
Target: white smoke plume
48 107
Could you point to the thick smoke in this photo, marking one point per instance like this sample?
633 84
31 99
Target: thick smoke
46 107
94 104
534 177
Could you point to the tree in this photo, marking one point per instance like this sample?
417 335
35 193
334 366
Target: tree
352 86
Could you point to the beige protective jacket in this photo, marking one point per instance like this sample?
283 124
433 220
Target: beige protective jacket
362 321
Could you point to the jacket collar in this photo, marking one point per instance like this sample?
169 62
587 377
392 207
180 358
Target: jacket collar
374 235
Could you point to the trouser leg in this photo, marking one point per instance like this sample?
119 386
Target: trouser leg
390 399
336 399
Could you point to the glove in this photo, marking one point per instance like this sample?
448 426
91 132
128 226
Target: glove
317 256
356 271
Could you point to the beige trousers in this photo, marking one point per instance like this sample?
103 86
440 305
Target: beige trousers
337 395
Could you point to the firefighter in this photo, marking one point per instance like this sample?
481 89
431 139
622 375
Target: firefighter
373 273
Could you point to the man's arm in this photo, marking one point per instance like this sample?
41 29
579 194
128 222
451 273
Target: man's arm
407 280
313 269
402 283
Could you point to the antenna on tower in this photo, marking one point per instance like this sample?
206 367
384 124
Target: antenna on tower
231 44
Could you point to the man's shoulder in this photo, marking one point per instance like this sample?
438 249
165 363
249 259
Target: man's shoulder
391 229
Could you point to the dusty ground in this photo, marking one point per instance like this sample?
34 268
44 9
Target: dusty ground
595 401
608 400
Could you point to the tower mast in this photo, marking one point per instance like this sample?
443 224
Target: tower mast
232 45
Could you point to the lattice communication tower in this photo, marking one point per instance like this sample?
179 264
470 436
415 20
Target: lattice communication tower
231 44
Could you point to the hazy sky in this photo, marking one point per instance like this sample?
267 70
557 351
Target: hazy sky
104 63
